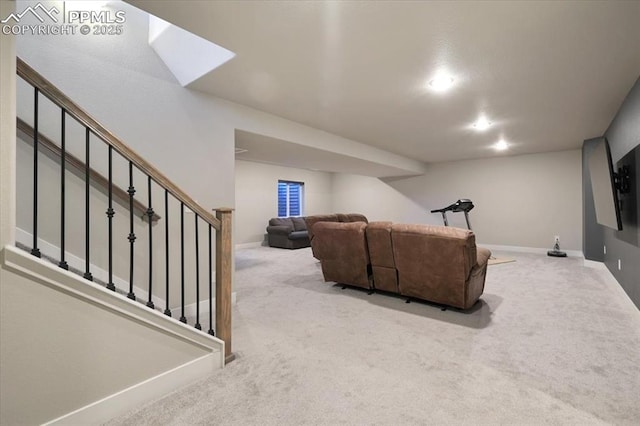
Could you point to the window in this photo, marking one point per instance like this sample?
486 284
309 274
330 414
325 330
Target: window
290 198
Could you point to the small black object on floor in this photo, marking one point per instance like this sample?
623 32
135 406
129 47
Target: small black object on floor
556 251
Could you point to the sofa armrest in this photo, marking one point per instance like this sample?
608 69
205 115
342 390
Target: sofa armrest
279 229
475 282
483 256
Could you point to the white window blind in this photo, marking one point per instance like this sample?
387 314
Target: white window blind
290 198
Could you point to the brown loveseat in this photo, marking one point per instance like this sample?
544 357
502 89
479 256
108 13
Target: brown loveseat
435 263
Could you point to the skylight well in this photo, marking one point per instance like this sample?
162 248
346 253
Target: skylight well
187 55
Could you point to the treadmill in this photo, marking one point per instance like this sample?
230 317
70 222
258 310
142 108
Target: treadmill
462 205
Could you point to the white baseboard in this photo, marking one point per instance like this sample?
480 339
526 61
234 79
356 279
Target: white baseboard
76 262
595 265
135 396
612 282
493 247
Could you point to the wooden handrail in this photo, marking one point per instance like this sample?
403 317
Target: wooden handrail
76 165
56 96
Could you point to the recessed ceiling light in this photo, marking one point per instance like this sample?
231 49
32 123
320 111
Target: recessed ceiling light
501 145
482 124
441 82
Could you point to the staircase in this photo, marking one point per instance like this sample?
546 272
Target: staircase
121 241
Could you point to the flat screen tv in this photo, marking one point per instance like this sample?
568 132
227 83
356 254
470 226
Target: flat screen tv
603 185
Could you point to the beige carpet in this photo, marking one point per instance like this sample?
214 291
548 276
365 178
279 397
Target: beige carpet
550 343
499 260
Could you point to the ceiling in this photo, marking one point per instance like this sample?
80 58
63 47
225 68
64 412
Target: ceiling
546 74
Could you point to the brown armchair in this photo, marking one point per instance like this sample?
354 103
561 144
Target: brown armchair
312 220
340 217
439 264
342 251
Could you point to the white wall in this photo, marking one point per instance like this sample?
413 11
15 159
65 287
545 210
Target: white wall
374 198
188 135
257 196
520 201
121 81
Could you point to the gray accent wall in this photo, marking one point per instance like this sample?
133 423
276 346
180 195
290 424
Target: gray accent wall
623 135
592 232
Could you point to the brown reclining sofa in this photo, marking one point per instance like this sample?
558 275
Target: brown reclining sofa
434 263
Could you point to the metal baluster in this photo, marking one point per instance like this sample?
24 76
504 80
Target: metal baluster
182 317
63 165
211 332
149 219
110 213
167 311
34 250
198 326
87 183
132 235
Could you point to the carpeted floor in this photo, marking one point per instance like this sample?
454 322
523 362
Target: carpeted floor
551 342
